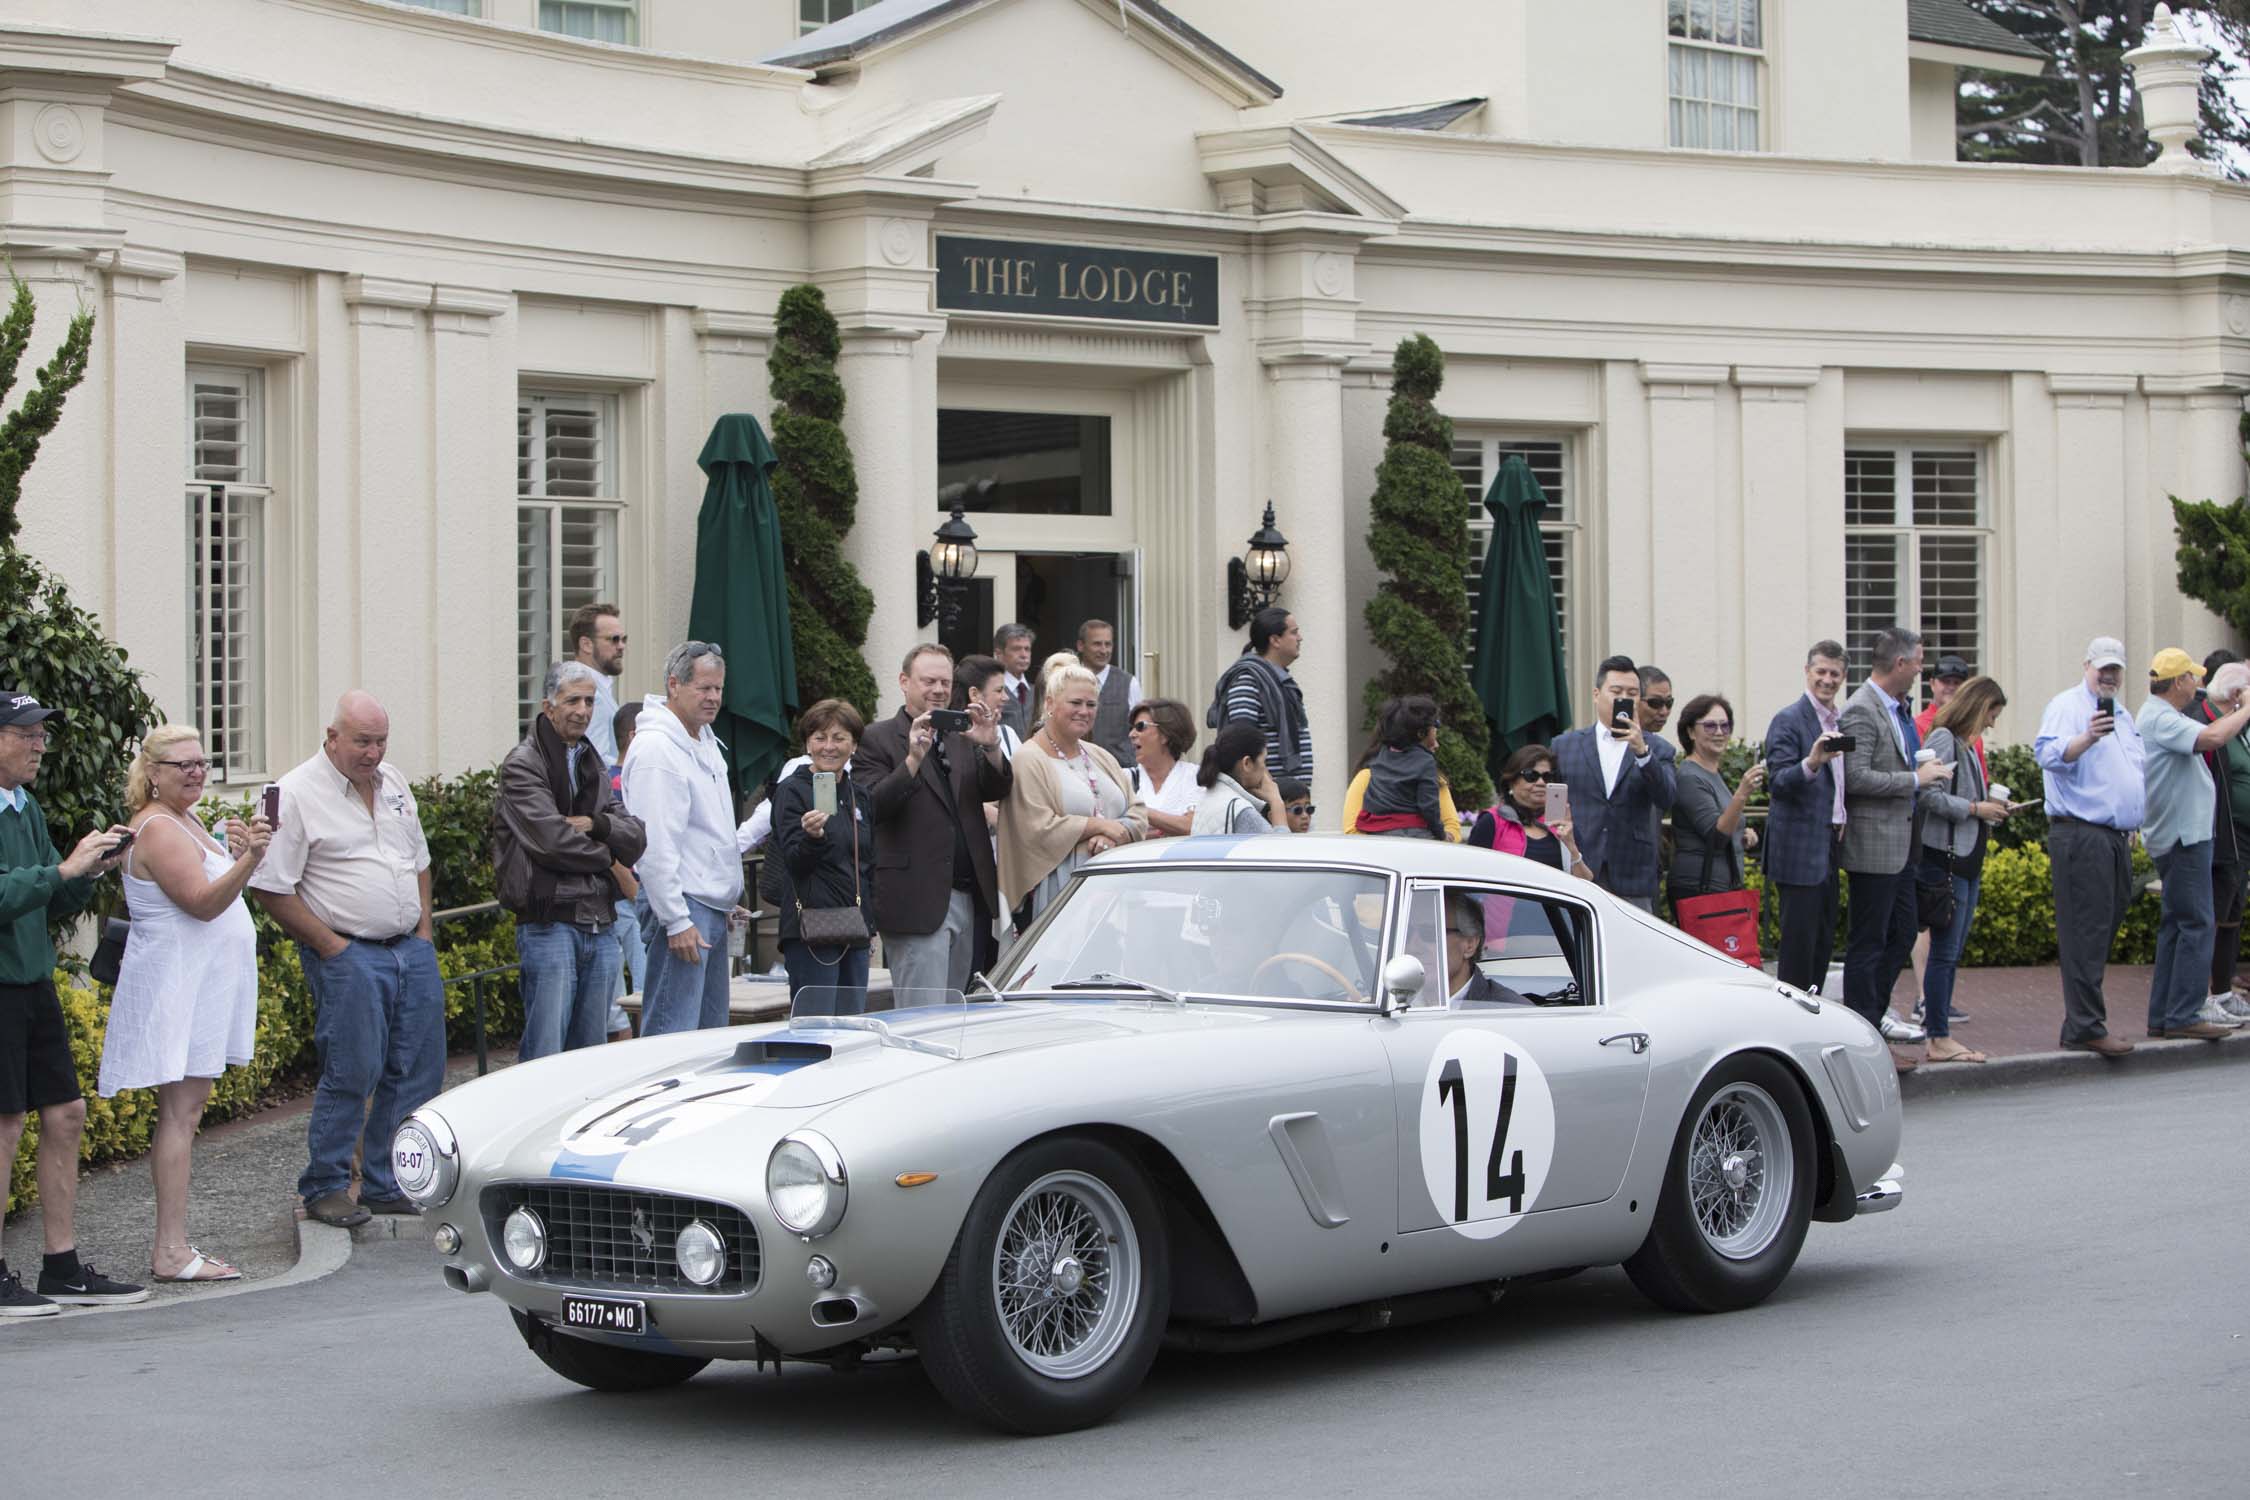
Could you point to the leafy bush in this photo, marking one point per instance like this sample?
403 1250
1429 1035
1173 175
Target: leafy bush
2013 767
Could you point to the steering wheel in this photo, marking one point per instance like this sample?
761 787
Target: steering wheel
1309 961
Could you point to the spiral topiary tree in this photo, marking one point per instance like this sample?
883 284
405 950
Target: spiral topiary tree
815 492
1418 534
49 647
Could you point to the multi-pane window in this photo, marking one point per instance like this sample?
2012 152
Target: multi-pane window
814 14
1914 546
450 7
567 505
1477 460
593 20
226 501
1716 52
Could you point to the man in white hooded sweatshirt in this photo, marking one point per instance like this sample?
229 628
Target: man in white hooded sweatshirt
691 874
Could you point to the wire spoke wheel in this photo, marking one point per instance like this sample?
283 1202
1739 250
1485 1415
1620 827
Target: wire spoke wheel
1741 1171
1066 1275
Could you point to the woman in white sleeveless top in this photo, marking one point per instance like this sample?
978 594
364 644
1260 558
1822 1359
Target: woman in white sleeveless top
186 1004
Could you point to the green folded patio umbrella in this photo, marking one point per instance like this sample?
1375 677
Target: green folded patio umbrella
1519 673
741 601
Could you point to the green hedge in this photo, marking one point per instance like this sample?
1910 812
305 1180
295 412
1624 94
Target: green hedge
456 818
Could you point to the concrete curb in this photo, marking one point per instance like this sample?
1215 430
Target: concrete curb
1940 1080
322 1250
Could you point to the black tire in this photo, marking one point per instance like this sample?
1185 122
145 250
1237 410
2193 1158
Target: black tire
961 1329
603 1367
1688 1266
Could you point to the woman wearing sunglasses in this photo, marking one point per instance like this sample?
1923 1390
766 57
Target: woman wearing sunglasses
1516 824
1708 833
1162 733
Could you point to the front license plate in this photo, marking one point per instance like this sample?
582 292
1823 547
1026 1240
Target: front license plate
605 1315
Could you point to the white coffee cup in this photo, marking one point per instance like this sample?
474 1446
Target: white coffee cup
1999 791
1924 757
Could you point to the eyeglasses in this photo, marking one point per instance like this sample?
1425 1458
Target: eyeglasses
186 767
1717 726
1533 775
1663 703
29 736
614 640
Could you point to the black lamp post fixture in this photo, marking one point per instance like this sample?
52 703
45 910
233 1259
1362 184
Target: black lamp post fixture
1256 576
942 574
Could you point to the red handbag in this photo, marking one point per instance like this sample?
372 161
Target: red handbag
1725 920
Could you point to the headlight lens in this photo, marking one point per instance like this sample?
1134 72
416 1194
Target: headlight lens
805 1184
701 1254
524 1239
426 1160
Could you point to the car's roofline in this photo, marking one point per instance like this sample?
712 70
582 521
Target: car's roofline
1426 858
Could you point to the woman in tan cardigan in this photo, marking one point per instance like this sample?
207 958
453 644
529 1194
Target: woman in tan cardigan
1070 799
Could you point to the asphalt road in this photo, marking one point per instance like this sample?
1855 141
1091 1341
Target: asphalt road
2057 1309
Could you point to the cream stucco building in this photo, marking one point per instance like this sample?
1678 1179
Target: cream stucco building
414 317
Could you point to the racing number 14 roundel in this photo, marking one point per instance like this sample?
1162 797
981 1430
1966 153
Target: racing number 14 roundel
1487 1133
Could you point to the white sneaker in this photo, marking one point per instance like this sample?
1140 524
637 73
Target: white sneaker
1895 1030
2214 1011
2235 1006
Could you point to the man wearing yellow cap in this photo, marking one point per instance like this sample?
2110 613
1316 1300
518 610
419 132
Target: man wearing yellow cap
2177 834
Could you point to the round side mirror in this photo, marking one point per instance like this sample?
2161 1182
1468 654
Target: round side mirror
1403 978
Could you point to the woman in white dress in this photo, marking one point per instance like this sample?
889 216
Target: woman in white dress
186 1004
1068 800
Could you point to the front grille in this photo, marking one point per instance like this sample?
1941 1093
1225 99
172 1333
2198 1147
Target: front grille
620 1239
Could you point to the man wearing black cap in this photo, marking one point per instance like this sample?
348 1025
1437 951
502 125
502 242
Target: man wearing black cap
36 1070
1951 672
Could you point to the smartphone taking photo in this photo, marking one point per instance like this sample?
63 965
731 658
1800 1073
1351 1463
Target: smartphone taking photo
824 792
1843 744
949 721
1621 712
269 804
1558 802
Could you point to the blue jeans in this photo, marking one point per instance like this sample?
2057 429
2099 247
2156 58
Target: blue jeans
680 996
569 974
379 1029
847 974
632 965
1946 946
2183 940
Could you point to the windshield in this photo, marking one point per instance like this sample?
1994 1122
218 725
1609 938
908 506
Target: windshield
1241 930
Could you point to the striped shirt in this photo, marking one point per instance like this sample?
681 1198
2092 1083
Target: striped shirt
1245 701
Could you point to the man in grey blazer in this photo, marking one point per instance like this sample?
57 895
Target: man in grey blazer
1881 783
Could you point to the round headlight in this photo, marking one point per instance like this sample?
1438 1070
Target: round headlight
426 1160
805 1184
701 1254
524 1239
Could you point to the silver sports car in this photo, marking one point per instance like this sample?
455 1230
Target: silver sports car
1225 1092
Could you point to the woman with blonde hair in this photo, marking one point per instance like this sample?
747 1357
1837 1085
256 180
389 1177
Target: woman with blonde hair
186 1003
1070 799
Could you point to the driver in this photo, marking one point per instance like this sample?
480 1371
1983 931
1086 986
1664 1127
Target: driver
1464 944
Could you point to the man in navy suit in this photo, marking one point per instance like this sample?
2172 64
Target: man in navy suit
1620 781
1806 819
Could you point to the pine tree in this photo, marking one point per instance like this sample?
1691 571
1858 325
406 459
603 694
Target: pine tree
1418 535
815 492
49 647
2084 111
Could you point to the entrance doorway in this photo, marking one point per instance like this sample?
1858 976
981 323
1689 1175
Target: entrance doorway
1054 593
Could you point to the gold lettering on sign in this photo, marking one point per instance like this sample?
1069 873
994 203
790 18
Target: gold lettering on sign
1180 297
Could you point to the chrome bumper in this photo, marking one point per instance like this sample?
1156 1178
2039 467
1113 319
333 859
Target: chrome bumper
1884 1195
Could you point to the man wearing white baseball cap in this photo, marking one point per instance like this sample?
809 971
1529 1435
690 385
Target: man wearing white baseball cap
2091 758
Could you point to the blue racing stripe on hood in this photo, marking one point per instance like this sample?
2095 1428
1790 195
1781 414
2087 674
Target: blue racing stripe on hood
572 1165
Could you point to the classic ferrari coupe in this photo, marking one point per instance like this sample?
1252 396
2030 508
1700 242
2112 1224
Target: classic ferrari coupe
1225 1092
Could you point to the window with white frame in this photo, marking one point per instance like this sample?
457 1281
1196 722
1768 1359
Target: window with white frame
814 14
1477 460
593 20
1715 72
567 505
227 496
450 7
1914 548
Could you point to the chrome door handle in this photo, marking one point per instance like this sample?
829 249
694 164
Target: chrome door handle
1639 1039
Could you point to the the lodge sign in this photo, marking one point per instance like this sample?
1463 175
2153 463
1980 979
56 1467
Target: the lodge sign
1077 281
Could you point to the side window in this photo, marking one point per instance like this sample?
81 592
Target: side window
1424 924
1534 949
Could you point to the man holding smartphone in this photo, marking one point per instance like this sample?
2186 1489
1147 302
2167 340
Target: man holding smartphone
2092 760
1806 818
1620 783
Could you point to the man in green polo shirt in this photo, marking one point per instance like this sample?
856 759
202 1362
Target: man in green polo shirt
36 1071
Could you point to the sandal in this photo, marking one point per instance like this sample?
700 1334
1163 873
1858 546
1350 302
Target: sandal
1963 1055
200 1267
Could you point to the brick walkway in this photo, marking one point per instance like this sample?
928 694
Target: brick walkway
2015 1011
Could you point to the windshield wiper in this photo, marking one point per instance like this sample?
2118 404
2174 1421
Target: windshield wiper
1108 981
